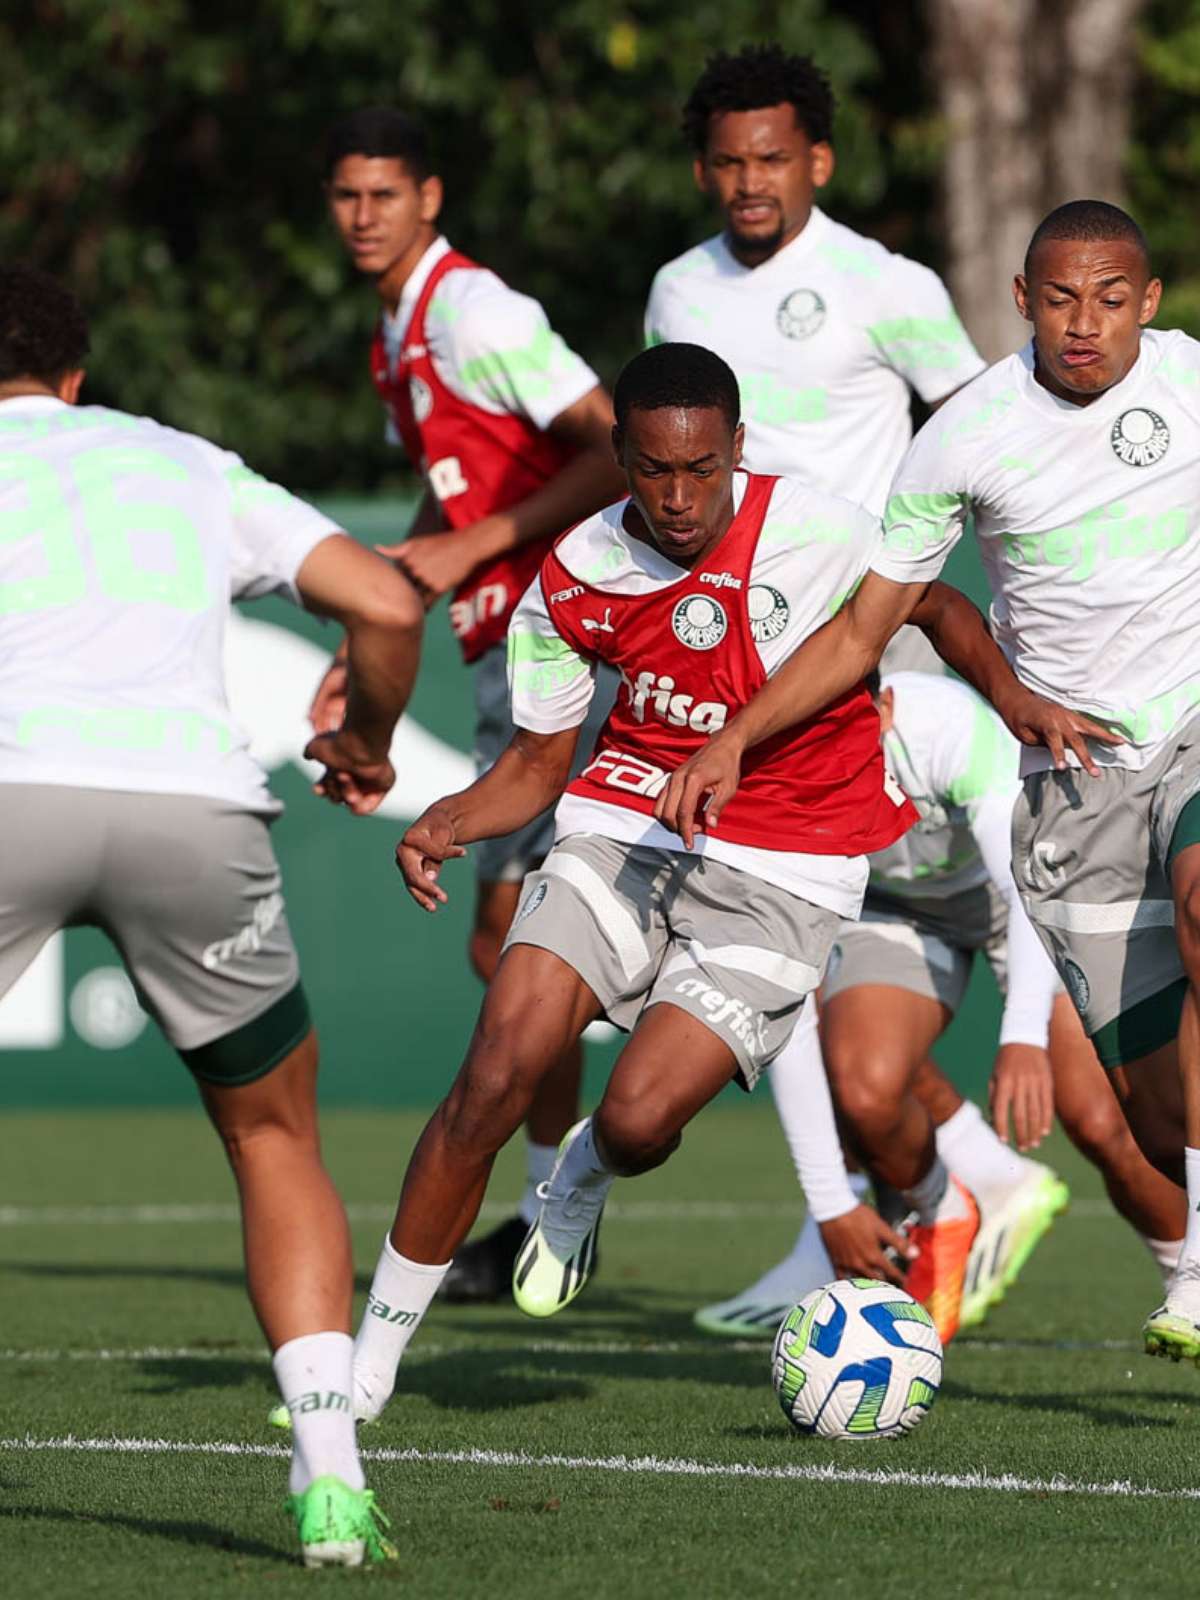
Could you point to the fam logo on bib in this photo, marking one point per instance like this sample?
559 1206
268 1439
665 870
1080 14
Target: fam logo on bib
800 314
699 622
1140 437
769 612
421 396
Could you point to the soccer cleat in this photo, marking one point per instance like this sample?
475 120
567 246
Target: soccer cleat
744 1317
559 1253
935 1278
482 1270
1170 1333
339 1526
1008 1234
366 1408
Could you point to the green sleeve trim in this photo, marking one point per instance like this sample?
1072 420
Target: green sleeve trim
542 664
915 523
990 764
251 1051
910 343
529 371
1145 1027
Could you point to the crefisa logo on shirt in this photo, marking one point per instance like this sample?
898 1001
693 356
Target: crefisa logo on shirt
699 622
800 314
769 612
421 396
1140 437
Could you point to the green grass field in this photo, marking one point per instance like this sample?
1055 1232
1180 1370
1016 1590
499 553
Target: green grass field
612 1452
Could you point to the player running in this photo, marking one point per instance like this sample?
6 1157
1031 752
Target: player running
693 592
510 431
1079 458
936 898
129 801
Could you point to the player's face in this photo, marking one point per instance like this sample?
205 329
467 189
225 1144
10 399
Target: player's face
679 462
382 213
762 170
1088 301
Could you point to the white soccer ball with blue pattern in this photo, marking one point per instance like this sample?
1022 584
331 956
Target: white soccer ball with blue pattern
857 1359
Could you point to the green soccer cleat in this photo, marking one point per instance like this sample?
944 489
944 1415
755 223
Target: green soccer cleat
339 1526
1008 1234
1168 1333
559 1253
279 1416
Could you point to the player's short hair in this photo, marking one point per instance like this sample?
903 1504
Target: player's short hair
383 131
760 75
1088 219
43 329
686 377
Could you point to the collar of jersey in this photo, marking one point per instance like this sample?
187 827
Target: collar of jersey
32 403
645 561
417 280
785 259
1113 399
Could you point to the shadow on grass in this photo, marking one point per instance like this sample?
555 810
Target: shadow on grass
188 1533
1077 1405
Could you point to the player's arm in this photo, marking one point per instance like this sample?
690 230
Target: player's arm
529 776
383 618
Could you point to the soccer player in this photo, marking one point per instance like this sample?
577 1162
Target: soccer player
937 897
510 431
705 952
1080 460
129 801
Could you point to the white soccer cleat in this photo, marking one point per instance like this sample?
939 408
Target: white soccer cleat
1009 1230
559 1253
744 1316
1174 1329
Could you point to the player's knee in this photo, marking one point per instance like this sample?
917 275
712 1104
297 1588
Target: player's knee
634 1136
1098 1130
865 1090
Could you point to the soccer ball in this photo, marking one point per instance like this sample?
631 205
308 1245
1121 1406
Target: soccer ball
857 1359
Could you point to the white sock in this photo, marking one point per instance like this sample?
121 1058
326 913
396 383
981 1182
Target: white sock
1189 1256
978 1157
935 1198
1166 1253
315 1378
539 1164
583 1166
398 1299
806 1265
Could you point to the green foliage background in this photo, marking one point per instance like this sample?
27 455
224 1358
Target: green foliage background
163 156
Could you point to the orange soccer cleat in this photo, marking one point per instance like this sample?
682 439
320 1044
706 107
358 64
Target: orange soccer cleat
936 1276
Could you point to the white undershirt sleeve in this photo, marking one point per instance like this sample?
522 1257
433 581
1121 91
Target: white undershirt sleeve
549 683
805 1108
1032 981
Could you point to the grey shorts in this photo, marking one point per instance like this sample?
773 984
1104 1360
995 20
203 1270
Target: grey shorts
642 926
924 944
1091 859
508 859
188 890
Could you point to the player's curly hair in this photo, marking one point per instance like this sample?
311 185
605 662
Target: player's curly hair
43 329
760 75
678 376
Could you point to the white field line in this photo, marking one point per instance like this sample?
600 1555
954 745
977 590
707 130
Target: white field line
631 1211
651 1466
433 1350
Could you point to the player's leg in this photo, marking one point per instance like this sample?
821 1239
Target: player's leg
723 1002
536 1006
1092 1118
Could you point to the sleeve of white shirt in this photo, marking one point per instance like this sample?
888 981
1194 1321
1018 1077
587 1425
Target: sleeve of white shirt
505 356
651 327
273 531
549 684
918 334
927 507
975 766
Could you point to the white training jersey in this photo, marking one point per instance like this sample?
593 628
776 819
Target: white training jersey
958 764
826 338
492 347
122 543
811 552
1087 519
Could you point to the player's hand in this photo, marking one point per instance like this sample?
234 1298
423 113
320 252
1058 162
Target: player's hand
420 855
328 709
1036 720
702 786
436 562
355 776
1022 1086
861 1245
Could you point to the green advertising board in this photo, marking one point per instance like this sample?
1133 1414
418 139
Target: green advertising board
391 991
